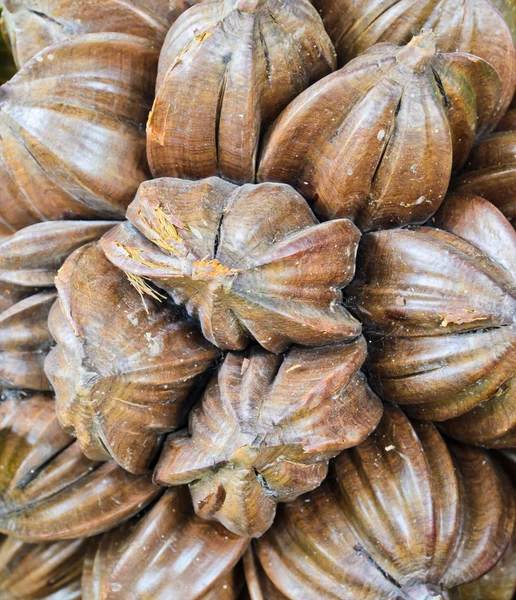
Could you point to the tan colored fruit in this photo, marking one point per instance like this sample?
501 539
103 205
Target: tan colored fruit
376 142
485 28
404 515
439 306
124 367
265 430
167 554
72 127
250 263
32 25
49 490
227 69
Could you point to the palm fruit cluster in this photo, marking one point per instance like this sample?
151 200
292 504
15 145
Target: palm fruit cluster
258 300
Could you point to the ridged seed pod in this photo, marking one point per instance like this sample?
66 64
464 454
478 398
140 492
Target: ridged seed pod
72 127
440 307
227 69
31 257
249 263
491 168
376 142
41 571
124 367
497 584
167 554
265 430
25 341
32 25
49 490
259 586
402 516
485 28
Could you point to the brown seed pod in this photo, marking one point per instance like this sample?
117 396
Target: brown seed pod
48 489
491 168
32 25
402 516
41 571
31 257
123 368
25 341
376 142
259 586
440 305
265 430
227 69
168 554
485 28
71 123
249 263
497 584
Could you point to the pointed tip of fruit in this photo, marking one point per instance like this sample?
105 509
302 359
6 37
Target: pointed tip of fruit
419 51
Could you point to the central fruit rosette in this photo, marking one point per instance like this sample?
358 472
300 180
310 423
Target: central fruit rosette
250 263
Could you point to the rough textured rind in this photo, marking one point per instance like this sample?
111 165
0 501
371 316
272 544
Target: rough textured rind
491 168
124 367
32 25
25 341
402 516
265 429
249 263
439 305
72 128
41 571
227 69
167 554
48 489
485 28
376 142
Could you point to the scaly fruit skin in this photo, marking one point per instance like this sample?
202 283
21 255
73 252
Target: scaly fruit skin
250 263
491 168
41 571
358 536
265 430
227 69
439 305
484 28
167 554
72 126
124 367
49 490
32 25
376 142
